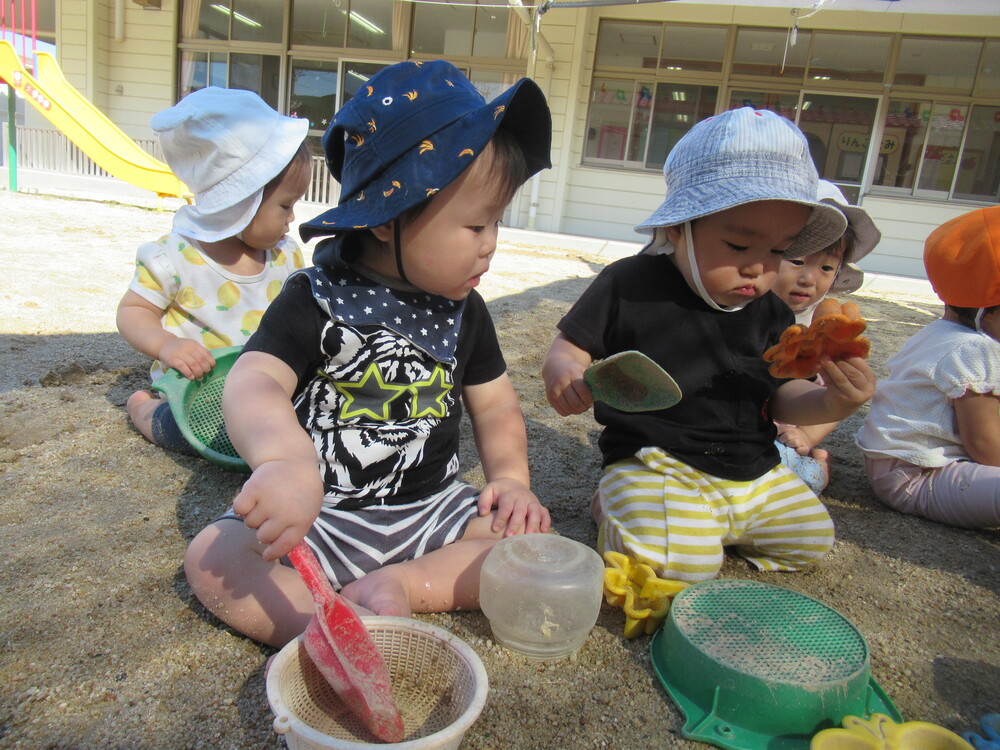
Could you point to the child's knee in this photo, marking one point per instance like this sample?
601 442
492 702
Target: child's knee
215 551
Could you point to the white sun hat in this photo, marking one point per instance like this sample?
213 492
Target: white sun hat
226 145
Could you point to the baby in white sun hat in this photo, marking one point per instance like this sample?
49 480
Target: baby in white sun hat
205 285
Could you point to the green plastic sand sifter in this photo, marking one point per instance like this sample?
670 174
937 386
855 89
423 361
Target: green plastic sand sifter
197 409
759 667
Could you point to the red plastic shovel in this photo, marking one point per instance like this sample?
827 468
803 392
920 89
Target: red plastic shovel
343 650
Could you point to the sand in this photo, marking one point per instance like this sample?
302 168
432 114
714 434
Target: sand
103 645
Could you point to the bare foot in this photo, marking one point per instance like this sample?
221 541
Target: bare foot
822 457
596 508
381 592
140 407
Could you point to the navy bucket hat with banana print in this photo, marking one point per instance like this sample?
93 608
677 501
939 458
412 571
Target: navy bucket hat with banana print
413 128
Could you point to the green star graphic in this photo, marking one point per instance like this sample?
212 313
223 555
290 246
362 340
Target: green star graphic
371 400
434 389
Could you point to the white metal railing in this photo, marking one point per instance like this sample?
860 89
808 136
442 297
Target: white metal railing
51 151
322 187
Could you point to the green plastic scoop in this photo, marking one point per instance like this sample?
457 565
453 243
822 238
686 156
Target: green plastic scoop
631 381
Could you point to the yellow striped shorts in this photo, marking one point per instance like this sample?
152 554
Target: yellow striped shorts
677 519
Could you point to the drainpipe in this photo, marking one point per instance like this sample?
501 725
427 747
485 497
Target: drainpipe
542 50
119 20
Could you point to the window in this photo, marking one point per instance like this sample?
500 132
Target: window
771 53
361 24
938 63
988 80
979 167
319 23
628 45
903 134
832 84
784 103
237 20
693 48
676 109
201 69
489 36
848 57
314 92
257 73
672 78
656 46
940 150
636 123
459 29
610 115
839 131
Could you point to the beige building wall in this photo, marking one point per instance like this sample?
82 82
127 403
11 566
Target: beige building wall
129 79
133 77
601 202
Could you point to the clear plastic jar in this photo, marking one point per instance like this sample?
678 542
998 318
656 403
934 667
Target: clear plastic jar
542 594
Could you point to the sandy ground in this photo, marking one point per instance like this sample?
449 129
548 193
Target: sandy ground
103 645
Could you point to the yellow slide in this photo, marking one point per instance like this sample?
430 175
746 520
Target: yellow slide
86 125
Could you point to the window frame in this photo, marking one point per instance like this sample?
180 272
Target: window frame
728 81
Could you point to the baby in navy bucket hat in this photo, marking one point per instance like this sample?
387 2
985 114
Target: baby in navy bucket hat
347 402
681 483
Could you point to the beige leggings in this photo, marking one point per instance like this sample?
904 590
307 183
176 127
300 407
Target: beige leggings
962 493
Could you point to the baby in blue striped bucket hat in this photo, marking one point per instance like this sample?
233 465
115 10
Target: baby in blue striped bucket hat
682 483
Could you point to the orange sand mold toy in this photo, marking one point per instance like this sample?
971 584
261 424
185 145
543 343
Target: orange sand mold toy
835 331
635 588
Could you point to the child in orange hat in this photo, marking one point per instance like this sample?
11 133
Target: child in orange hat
932 438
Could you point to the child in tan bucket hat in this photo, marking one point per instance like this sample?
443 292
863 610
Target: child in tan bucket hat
803 283
932 438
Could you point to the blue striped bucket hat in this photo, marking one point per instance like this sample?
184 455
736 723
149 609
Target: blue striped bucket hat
738 157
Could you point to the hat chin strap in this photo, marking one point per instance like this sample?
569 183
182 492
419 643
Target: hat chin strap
399 250
696 274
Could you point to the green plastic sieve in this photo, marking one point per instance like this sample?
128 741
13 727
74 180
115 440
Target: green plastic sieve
197 409
759 667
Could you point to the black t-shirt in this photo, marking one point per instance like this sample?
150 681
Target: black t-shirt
721 425
383 411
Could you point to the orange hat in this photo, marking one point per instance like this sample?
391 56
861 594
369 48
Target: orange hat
962 258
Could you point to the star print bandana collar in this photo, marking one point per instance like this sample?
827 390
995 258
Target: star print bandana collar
410 131
430 322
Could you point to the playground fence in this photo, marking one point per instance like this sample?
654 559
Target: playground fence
51 151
